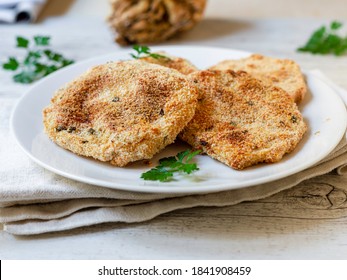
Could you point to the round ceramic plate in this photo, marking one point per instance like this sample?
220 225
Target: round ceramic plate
323 110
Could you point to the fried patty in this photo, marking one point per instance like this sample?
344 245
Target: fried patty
283 73
182 65
121 112
241 121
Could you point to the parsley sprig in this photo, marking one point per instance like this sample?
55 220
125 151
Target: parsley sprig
181 163
38 62
326 40
144 51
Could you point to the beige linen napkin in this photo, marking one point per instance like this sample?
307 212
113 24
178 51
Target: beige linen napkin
34 200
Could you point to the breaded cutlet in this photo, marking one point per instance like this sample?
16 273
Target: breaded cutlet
283 73
121 112
241 121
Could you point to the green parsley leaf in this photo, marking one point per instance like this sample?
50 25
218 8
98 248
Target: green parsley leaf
53 56
11 65
50 69
31 57
42 40
39 68
158 56
37 63
326 40
181 163
169 161
157 174
22 42
144 51
190 156
24 77
66 62
335 25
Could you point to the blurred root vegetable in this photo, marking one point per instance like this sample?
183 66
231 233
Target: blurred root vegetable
152 21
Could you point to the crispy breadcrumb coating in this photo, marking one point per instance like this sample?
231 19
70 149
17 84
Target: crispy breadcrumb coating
121 112
241 121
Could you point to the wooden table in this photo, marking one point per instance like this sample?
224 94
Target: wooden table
266 229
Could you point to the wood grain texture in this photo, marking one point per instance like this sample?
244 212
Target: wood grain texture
306 222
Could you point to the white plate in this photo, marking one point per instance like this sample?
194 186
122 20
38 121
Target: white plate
323 111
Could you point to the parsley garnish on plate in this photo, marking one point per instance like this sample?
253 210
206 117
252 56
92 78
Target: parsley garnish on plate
181 163
144 51
39 61
326 40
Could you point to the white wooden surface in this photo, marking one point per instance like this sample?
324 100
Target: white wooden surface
286 226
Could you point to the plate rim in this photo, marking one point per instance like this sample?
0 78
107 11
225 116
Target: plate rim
154 189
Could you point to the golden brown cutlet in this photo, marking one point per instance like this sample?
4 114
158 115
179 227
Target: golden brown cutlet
283 73
241 121
121 112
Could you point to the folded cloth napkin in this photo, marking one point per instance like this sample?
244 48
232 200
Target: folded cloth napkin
34 200
13 11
